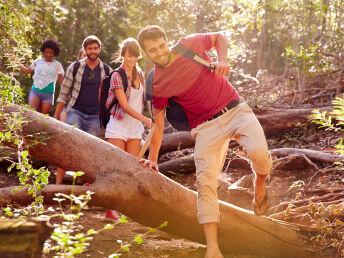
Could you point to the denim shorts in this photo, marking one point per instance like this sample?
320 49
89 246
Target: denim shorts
43 97
88 123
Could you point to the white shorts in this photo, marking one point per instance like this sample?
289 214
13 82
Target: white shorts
114 136
125 129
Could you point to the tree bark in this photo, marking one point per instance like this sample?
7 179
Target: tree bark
121 183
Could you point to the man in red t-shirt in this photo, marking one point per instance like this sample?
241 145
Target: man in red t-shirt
216 115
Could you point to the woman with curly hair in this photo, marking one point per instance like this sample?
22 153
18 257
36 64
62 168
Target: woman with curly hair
46 72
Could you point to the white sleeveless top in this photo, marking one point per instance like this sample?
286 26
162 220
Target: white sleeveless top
128 127
45 72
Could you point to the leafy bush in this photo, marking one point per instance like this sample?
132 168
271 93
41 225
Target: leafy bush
333 121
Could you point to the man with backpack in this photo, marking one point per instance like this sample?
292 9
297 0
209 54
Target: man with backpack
215 115
80 91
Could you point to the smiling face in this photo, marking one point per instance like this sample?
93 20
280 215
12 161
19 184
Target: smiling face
157 51
129 59
92 51
48 54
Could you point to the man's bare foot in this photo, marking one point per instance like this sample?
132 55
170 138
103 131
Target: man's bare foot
210 233
260 201
213 253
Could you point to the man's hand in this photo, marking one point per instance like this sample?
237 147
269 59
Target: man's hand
222 68
58 110
150 164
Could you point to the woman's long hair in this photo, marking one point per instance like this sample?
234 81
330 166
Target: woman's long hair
131 45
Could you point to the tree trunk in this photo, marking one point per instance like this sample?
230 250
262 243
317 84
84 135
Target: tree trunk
121 183
311 154
22 238
277 120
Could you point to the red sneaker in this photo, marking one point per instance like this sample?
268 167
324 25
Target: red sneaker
110 214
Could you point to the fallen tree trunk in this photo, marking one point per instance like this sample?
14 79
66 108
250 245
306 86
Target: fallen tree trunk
311 154
184 165
273 120
121 183
175 141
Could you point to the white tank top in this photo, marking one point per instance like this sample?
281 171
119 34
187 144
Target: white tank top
128 126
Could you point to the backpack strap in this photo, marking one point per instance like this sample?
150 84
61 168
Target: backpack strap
149 92
124 78
106 69
188 53
75 69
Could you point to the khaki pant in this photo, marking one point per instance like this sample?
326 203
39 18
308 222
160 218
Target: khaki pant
212 139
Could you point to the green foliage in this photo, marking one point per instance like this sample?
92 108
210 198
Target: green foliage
68 237
137 239
302 34
304 60
329 219
17 28
330 228
297 184
259 32
327 222
67 23
23 26
333 121
301 58
10 90
33 180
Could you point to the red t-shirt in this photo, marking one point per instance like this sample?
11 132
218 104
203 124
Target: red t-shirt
200 91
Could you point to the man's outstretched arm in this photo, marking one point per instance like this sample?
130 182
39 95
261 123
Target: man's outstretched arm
219 41
151 162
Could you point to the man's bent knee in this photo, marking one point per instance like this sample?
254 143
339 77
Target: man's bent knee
261 160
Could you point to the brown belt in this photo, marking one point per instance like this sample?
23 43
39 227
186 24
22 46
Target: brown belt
231 105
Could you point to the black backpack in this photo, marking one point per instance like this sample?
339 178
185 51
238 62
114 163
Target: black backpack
174 111
104 113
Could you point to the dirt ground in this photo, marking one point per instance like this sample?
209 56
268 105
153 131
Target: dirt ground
157 244
160 244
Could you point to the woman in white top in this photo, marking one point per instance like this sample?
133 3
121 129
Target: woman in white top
125 126
46 72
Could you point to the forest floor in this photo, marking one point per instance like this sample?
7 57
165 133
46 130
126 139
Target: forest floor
284 185
160 244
